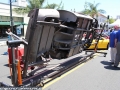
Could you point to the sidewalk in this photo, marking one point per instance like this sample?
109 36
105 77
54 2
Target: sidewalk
3 41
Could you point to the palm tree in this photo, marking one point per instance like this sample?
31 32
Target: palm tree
60 6
91 9
55 6
111 20
32 4
51 6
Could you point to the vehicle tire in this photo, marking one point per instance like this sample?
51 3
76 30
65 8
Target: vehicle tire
107 46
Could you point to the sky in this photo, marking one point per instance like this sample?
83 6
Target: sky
110 6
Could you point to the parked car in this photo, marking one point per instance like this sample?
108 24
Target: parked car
102 44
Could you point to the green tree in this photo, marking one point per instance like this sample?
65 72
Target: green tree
111 20
60 6
32 4
55 6
92 9
51 6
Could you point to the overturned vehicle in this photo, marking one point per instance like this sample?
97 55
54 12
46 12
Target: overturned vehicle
51 34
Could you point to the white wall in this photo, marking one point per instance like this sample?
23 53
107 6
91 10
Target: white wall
20 3
101 19
5 11
26 19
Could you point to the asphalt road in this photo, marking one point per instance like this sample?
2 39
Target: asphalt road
96 74
3 39
4 70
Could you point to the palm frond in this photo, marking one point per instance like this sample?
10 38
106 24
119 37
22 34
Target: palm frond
32 4
60 6
101 11
91 9
35 3
51 6
22 10
97 5
86 11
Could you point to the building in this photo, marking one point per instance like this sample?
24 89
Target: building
19 20
22 3
101 18
118 17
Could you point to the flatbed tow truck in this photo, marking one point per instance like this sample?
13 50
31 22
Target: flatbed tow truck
52 46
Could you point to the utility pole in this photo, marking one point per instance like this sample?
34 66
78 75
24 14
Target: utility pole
11 18
74 10
108 22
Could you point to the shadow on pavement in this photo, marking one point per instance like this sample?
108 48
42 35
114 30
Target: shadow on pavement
7 65
9 77
109 65
112 68
106 63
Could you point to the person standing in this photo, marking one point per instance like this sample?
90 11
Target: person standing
112 44
117 45
9 36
